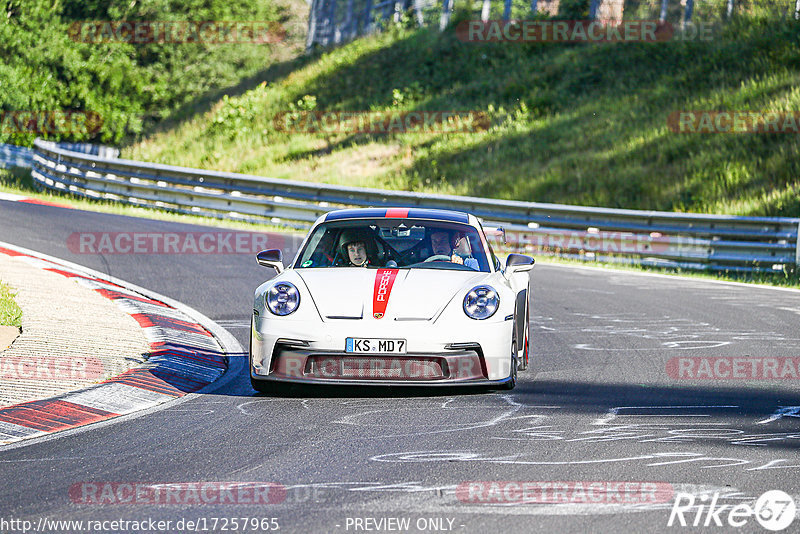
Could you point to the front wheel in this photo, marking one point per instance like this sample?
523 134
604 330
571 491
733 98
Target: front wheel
512 382
269 387
526 340
262 386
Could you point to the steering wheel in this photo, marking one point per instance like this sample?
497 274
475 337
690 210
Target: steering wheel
438 257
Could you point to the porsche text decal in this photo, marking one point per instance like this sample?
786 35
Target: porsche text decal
384 279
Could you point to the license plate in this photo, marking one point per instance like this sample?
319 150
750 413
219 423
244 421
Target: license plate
361 345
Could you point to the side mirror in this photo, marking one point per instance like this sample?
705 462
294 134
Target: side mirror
518 263
271 258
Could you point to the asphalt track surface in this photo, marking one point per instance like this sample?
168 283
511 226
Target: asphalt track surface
597 404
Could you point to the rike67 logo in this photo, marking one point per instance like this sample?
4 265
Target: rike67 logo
774 510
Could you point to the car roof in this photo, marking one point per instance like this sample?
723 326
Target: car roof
398 213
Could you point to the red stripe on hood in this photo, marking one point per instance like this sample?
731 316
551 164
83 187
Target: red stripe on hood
384 280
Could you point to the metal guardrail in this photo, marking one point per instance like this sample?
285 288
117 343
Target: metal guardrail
15 156
89 148
693 241
20 156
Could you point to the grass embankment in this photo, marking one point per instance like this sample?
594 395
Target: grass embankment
10 313
574 124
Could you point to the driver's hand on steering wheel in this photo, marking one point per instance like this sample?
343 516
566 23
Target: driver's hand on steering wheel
455 258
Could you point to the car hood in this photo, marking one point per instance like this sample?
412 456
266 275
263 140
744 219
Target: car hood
408 294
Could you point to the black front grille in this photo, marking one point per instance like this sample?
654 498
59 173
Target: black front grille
375 367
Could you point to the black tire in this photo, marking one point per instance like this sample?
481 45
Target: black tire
265 386
526 356
511 384
261 386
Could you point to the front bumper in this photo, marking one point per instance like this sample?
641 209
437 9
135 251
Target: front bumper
294 351
403 383
306 365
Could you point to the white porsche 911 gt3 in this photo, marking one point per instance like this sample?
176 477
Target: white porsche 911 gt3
392 296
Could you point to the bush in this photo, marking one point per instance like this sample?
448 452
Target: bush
131 86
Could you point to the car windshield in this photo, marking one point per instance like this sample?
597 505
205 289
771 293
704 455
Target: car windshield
395 243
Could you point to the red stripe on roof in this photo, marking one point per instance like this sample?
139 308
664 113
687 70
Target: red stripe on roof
399 213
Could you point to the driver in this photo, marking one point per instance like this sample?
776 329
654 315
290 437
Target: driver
354 248
451 244
357 253
441 243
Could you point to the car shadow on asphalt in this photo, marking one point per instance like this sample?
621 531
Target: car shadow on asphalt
763 417
322 391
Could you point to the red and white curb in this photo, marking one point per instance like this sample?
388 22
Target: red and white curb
188 353
11 197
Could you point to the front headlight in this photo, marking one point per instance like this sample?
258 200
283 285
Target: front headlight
481 302
283 298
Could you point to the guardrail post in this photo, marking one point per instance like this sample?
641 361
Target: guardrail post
797 247
312 26
687 13
507 10
334 30
444 20
368 17
593 7
663 15
418 13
